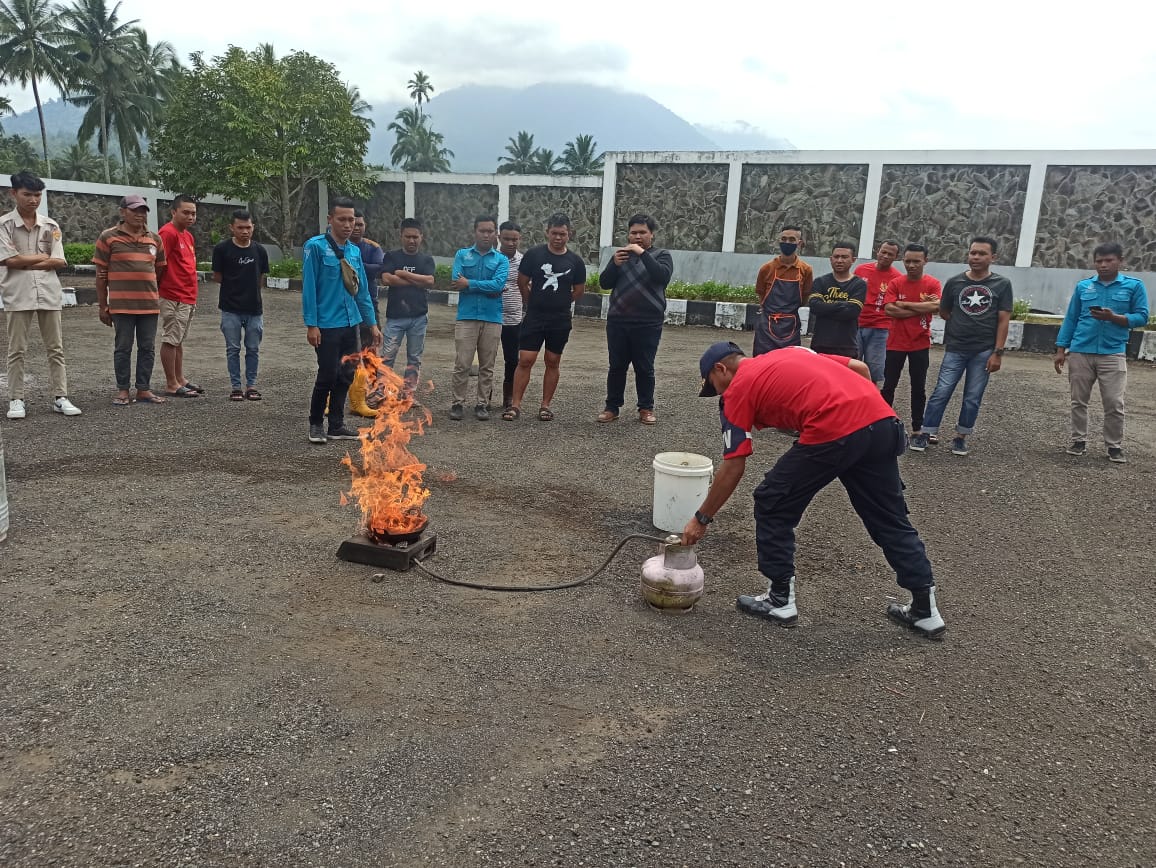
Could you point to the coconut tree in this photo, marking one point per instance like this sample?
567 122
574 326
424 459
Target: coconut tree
31 34
545 163
519 159
419 89
581 157
420 149
78 163
105 48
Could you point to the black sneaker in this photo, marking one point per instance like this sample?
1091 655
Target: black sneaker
1116 454
317 434
456 413
920 615
482 412
1078 447
776 604
342 432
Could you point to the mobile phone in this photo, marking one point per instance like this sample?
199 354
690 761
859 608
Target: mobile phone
1095 307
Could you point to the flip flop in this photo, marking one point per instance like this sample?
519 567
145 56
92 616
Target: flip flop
184 392
121 402
194 387
150 399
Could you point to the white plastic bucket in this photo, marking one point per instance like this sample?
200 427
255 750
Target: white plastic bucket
681 481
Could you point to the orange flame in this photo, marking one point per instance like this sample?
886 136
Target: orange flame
387 484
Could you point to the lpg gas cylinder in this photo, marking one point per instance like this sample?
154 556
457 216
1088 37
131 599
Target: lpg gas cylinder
672 579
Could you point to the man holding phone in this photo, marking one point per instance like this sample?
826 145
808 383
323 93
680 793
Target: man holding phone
1093 340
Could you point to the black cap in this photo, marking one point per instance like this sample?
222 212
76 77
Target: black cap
714 354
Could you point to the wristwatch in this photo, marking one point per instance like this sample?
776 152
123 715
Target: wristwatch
702 518
999 351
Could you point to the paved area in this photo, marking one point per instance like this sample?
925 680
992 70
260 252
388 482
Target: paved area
190 677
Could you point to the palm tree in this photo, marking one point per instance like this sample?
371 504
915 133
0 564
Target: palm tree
31 34
78 163
519 159
357 105
581 157
419 89
418 148
5 109
105 48
545 163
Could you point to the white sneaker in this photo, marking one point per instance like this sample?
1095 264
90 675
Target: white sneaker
63 405
927 622
778 608
16 409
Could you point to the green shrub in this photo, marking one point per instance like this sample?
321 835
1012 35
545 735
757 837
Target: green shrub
592 284
1151 327
79 254
1021 307
443 272
712 291
204 266
285 268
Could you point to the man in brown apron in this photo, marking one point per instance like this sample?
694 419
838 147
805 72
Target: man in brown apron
782 286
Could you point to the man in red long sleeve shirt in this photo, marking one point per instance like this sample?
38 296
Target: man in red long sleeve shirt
846 432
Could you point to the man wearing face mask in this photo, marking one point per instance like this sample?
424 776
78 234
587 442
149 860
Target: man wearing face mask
782 286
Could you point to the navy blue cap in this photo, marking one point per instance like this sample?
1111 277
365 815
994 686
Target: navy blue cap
714 354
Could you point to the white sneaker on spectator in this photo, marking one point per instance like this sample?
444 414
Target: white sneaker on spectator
63 405
16 409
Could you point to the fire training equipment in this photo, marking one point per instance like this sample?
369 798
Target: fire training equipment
672 579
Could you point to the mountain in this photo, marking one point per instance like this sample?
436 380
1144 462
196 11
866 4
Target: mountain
60 118
741 136
478 121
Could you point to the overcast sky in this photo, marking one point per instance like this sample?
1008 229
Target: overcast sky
824 74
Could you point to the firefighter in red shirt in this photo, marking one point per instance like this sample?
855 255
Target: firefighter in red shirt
846 432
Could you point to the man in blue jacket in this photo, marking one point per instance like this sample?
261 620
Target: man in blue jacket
334 301
1093 340
479 275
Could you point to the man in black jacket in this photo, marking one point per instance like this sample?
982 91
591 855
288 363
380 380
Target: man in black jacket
836 301
637 276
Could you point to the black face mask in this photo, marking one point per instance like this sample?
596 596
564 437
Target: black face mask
788 248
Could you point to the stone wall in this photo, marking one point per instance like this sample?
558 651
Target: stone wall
1084 205
448 212
384 212
826 200
82 216
688 201
531 206
944 206
267 217
212 226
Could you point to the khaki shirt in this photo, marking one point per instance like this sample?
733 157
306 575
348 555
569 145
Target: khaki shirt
23 288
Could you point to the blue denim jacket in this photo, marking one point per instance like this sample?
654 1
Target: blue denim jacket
1080 333
487 274
325 302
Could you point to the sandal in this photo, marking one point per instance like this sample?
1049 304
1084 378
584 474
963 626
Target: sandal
121 402
511 414
184 392
252 394
193 387
236 395
607 416
545 414
150 399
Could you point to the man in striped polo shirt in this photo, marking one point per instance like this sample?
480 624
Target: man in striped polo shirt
130 260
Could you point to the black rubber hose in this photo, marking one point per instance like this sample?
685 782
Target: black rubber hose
462 583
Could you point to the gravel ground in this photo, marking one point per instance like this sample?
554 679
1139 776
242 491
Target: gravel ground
190 677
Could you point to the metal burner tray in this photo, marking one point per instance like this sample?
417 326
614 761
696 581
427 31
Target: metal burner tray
361 550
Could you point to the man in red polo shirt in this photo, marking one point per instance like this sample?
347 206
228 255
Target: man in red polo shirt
846 432
178 289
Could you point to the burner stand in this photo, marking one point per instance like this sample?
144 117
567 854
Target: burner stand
362 550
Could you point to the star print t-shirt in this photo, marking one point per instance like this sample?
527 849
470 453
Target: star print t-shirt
974 307
552 278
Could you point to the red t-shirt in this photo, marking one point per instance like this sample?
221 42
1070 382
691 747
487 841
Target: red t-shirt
913 332
872 316
180 279
796 389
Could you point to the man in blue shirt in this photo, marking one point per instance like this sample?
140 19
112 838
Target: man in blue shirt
1093 340
479 275
372 258
334 302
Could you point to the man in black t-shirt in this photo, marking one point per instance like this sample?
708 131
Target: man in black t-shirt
240 266
409 275
836 300
550 278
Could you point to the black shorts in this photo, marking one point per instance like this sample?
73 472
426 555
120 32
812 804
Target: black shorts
553 334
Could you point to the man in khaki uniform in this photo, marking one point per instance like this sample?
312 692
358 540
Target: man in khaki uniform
31 253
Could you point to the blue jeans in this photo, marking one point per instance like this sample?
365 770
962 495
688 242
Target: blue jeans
231 327
873 351
413 330
951 371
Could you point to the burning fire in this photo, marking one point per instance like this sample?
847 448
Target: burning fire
388 483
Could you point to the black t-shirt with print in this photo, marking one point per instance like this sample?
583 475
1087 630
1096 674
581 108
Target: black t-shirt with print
407 301
240 269
553 277
974 307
